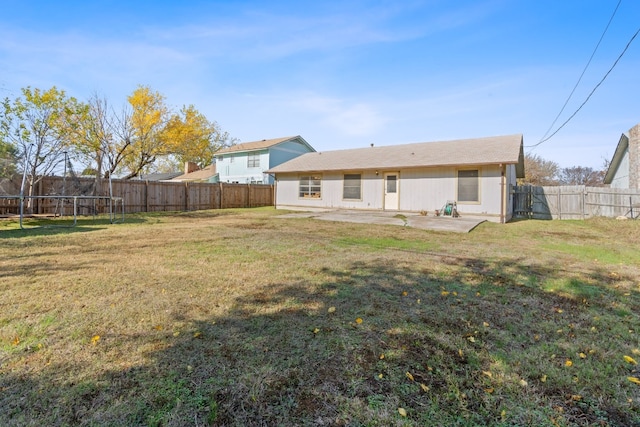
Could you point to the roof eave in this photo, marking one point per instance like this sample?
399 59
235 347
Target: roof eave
387 167
623 144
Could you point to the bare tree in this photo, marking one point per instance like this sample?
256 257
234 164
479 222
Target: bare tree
579 175
539 171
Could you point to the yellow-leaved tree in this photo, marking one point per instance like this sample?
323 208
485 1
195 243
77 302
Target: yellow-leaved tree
146 125
191 137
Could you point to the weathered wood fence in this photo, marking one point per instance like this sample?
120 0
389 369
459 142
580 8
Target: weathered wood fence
143 196
574 202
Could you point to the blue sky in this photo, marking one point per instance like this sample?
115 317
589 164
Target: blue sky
345 74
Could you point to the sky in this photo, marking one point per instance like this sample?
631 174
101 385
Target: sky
347 74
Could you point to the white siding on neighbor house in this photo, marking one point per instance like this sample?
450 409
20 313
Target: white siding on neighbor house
421 189
233 167
621 177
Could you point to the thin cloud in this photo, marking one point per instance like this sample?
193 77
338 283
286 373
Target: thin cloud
350 119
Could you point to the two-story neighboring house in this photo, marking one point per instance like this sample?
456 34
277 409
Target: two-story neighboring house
246 163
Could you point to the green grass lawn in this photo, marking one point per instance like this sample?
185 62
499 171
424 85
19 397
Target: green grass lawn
239 318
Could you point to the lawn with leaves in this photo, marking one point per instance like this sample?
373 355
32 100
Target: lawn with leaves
239 318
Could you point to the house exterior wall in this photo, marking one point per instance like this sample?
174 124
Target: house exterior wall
425 189
511 180
233 167
621 176
284 152
634 157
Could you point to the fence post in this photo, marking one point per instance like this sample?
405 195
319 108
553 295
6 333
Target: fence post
249 195
221 194
559 203
186 195
146 195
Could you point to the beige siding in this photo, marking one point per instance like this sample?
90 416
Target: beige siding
424 189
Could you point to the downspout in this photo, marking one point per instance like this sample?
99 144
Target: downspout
275 192
503 195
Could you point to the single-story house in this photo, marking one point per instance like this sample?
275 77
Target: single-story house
246 163
624 168
193 174
164 176
478 174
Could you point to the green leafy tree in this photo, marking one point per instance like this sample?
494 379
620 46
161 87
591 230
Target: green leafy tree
40 125
8 155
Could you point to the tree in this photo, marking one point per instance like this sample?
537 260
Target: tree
539 171
40 127
142 135
189 136
143 130
102 138
8 155
579 175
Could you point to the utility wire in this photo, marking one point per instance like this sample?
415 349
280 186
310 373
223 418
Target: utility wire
591 93
583 71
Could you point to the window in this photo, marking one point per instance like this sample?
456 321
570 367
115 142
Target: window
310 187
392 184
468 186
231 157
253 160
352 186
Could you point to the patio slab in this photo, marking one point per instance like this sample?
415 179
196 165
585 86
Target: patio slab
456 225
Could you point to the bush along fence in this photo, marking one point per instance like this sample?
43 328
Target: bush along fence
574 202
139 196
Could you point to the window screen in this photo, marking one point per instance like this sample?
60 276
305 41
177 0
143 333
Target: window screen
352 187
468 188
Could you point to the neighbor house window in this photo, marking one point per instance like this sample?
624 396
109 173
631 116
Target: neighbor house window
310 186
468 185
253 160
352 187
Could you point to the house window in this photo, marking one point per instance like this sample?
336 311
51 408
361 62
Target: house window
468 185
231 157
352 186
310 186
392 184
253 160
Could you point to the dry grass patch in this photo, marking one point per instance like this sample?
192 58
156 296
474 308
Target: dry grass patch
239 318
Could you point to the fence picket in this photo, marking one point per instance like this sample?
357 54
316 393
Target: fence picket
150 196
574 202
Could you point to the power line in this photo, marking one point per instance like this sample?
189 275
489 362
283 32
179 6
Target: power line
583 71
591 93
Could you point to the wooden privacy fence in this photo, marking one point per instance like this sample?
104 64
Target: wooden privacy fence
574 202
145 196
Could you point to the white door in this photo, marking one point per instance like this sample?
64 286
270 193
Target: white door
391 191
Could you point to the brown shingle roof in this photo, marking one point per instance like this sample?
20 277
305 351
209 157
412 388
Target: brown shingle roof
198 175
255 145
477 151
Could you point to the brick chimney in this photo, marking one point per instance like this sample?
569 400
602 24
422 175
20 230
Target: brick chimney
190 167
634 157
